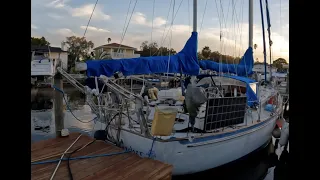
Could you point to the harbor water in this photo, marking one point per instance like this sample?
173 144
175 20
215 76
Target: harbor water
262 164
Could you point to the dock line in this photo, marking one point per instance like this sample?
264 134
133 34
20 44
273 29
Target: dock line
80 157
55 170
65 100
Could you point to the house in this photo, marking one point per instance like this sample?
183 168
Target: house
55 53
112 49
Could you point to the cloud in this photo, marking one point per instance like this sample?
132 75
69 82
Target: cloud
83 11
65 32
232 43
55 16
86 10
95 29
140 18
57 3
33 26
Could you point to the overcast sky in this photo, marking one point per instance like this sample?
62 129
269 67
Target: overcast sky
57 19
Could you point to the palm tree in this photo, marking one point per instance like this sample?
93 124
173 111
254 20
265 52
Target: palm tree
109 39
102 55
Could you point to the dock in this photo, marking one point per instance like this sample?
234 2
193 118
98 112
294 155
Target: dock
119 166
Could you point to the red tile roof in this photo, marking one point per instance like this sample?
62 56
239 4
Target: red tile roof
115 45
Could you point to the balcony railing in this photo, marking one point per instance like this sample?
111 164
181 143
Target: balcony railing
115 55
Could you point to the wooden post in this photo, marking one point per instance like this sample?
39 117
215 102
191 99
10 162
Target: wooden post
58 104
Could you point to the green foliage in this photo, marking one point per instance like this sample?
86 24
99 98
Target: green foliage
78 48
152 49
39 41
207 54
278 63
102 55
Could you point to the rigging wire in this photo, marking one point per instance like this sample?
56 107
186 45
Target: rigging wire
162 42
152 25
125 21
174 2
84 34
204 12
134 7
165 26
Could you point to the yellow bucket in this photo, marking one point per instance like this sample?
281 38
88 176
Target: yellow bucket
163 121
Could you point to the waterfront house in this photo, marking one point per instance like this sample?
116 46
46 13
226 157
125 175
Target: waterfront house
112 49
52 53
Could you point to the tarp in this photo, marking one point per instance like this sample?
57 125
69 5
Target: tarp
186 60
244 68
251 95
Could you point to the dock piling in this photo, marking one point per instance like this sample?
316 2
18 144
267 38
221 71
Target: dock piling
58 104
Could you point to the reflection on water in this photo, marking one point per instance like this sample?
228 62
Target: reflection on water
258 165
42 121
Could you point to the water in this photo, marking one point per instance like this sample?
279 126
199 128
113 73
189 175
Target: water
258 165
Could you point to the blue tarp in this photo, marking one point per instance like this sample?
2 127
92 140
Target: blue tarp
186 60
244 68
251 95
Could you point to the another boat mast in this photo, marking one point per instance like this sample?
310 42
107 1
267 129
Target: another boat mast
251 23
264 44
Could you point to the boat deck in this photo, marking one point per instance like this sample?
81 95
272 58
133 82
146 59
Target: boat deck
120 166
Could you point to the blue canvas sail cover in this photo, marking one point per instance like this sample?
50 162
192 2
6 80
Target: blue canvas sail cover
244 68
251 95
185 61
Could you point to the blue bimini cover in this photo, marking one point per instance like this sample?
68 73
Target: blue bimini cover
244 68
251 95
185 61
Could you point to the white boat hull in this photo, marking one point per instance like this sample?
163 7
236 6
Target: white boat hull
203 153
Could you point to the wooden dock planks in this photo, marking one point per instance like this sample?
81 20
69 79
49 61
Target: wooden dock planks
122 166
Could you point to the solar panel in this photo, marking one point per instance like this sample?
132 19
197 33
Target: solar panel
222 112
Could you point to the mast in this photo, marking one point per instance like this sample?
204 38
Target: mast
194 15
264 43
192 80
251 23
269 36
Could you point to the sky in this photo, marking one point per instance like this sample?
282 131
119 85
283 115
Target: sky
151 20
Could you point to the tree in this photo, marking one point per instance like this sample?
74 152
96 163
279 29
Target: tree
109 40
78 48
206 51
152 49
255 46
200 57
217 56
39 41
101 55
278 63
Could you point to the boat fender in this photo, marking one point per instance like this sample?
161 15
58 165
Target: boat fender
276 133
64 132
284 134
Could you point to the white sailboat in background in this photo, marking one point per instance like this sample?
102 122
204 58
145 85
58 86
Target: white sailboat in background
224 117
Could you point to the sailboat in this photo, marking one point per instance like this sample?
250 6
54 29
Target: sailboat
215 120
